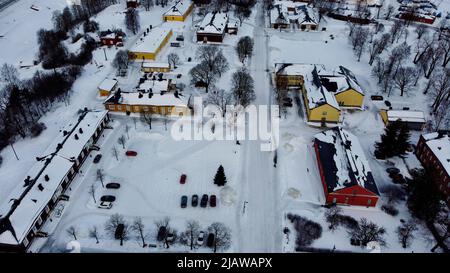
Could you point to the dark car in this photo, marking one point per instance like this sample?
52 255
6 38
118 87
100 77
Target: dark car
161 233
194 200
397 178
392 170
108 198
183 179
212 201
113 185
210 240
204 201
287 104
119 231
376 97
131 153
388 103
97 158
184 200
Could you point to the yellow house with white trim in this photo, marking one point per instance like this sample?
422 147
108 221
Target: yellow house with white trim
149 45
107 87
155 67
179 12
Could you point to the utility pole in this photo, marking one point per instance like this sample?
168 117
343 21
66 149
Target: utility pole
14 151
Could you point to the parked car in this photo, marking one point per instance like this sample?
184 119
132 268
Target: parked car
194 200
131 153
97 158
201 238
184 200
210 240
183 179
376 97
287 104
105 205
212 201
392 170
388 103
119 231
107 198
397 178
161 233
170 237
113 185
204 201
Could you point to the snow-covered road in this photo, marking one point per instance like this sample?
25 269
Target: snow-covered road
259 223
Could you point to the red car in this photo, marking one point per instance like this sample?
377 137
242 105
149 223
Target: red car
131 153
182 179
212 201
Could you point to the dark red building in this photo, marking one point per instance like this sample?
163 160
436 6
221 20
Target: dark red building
422 18
433 151
345 173
213 28
111 39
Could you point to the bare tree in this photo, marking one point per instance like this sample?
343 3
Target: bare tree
115 152
93 233
390 9
444 45
147 4
431 58
9 74
421 30
219 98
122 141
191 233
92 192
147 118
377 47
173 60
213 58
405 233
242 87
113 223
396 30
121 60
132 20
139 227
367 231
127 130
440 86
100 176
422 46
361 41
404 79
379 70
72 231
202 74
244 48
222 236
332 216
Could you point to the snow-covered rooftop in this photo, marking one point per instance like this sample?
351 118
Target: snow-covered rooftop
284 12
150 99
439 144
179 8
107 84
151 41
155 65
317 95
213 22
155 86
343 161
46 175
406 116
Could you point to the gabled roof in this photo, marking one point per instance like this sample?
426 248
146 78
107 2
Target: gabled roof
343 161
26 202
151 41
214 23
439 144
179 8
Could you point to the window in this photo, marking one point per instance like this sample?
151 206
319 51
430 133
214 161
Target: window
324 113
111 107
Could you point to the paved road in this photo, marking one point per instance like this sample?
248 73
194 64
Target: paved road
260 224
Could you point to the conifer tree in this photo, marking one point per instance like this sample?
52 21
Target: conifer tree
220 179
387 147
402 142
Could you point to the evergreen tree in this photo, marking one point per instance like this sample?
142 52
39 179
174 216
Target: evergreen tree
402 142
387 147
220 179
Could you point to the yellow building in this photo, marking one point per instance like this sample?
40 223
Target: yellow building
107 87
415 120
350 98
179 12
321 106
167 104
149 45
155 67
